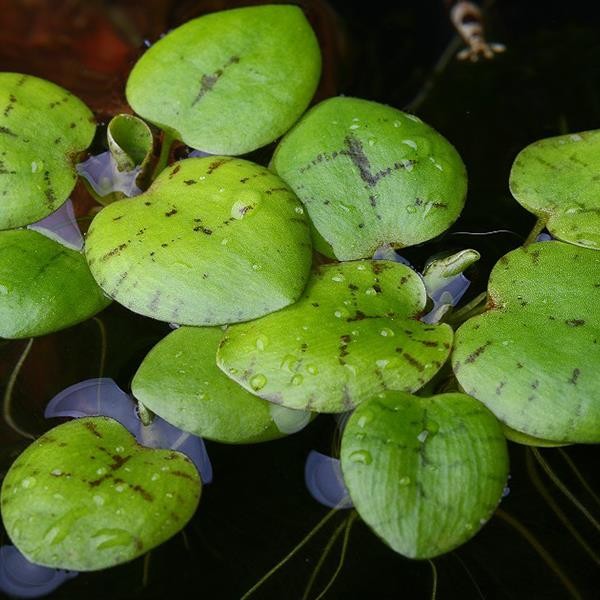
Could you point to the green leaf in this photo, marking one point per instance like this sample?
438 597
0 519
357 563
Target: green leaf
371 175
44 286
213 240
353 333
518 437
179 381
85 496
424 473
43 128
130 141
557 180
533 357
236 80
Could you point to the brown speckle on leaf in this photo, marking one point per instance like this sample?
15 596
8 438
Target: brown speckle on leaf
91 427
574 376
476 353
575 322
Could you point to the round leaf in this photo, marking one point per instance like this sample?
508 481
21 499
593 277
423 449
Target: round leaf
179 381
424 473
353 333
44 286
86 496
214 240
43 128
236 80
533 357
371 175
556 179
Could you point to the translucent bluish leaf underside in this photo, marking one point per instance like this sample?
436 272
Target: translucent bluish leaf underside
354 332
533 357
424 473
371 175
214 240
43 129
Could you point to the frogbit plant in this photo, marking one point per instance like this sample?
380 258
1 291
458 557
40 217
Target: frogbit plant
280 308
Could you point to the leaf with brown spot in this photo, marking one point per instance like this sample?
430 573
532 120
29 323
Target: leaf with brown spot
216 252
336 346
531 357
236 80
556 179
370 175
88 515
38 147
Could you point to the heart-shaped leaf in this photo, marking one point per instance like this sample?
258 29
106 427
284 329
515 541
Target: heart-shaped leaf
44 286
371 175
179 381
533 357
557 180
353 333
214 240
86 496
43 128
236 80
424 473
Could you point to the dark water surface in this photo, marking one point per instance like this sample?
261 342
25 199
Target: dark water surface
257 508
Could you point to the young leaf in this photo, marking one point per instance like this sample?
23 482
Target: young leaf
213 240
44 286
556 179
371 175
424 473
130 141
533 357
179 381
43 128
353 333
236 80
85 496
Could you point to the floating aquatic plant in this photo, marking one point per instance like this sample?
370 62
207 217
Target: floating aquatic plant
180 251
86 496
222 241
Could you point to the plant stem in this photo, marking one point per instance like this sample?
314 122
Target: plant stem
563 488
7 400
541 488
349 522
537 229
165 151
326 551
579 476
542 552
471 309
434 575
294 550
